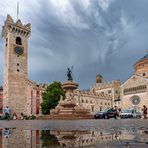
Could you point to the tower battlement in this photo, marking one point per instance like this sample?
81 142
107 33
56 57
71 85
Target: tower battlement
15 27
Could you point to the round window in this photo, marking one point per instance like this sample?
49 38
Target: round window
135 100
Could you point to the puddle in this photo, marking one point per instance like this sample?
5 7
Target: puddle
21 138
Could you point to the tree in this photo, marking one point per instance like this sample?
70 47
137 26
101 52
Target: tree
51 97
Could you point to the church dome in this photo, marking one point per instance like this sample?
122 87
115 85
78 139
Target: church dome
141 66
144 58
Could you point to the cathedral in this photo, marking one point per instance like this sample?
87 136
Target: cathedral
24 96
134 91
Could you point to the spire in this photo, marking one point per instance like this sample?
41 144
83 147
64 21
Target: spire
17 10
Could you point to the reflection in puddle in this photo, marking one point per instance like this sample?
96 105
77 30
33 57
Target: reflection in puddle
55 138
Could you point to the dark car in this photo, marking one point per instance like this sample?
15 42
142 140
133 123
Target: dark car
130 113
106 114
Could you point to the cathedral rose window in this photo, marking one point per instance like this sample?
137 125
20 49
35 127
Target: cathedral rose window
135 100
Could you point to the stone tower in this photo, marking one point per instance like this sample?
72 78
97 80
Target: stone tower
15 36
99 78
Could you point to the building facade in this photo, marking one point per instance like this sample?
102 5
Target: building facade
92 101
134 91
107 89
100 96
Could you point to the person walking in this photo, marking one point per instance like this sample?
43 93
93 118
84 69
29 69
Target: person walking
7 112
144 112
116 112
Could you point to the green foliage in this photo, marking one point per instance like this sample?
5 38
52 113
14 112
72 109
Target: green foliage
30 117
49 140
51 97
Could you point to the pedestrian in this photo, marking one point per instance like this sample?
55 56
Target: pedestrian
14 116
7 112
119 112
144 112
6 132
22 116
116 112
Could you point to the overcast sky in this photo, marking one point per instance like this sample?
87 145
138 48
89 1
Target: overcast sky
95 36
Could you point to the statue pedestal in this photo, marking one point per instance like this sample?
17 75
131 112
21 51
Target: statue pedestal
68 109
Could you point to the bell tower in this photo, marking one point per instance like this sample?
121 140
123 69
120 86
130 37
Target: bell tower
15 36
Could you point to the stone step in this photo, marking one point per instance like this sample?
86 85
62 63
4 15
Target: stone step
64 117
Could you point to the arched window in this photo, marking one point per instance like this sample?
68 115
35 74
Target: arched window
18 41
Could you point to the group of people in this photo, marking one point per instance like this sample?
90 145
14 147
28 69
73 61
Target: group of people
7 113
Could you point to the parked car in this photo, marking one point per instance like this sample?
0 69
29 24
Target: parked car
130 113
106 114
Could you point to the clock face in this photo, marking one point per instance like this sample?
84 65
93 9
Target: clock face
18 50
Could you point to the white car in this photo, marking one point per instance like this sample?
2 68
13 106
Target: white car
130 113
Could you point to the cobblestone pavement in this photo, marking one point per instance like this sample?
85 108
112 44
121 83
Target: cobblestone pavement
94 124
96 133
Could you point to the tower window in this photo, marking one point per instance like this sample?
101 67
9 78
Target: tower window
18 41
18 70
109 91
6 42
17 64
144 74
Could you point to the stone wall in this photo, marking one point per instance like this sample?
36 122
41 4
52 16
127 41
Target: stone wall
34 97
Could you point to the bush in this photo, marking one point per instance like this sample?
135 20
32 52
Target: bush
30 117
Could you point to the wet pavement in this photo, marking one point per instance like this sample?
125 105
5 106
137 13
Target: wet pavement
112 133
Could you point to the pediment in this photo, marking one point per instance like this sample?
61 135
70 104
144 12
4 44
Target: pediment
134 81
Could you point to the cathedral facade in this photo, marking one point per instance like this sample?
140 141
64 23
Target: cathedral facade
134 91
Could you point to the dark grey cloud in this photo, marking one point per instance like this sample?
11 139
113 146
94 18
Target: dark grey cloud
96 36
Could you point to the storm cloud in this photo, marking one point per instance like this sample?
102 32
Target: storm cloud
93 36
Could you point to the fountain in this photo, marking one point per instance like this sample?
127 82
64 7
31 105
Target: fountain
68 108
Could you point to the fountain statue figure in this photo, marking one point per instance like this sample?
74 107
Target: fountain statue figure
69 75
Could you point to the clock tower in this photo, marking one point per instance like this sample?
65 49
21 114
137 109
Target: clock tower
15 36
